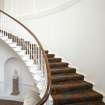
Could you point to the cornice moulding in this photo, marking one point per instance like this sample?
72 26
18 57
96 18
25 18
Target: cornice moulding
49 11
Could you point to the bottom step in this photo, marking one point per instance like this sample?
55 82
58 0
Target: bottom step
9 102
72 98
89 103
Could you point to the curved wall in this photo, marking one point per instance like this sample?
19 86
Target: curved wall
78 35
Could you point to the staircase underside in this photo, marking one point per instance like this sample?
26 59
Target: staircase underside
69 87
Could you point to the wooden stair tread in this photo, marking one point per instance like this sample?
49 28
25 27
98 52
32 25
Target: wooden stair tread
89 103
70 86
46 51
63 70
51 60
68 77
50 55
58 65
77 97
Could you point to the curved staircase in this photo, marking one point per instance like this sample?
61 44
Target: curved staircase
69 87
26 51
52 76
31 52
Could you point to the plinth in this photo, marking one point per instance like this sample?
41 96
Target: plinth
15 86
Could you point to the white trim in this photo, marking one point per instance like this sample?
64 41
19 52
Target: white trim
50 11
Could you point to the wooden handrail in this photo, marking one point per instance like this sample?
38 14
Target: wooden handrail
47 93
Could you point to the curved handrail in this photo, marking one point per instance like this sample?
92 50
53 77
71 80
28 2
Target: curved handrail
46 95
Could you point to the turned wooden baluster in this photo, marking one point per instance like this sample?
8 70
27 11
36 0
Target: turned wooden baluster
8 35
40 58
23 44
16 39
26 44
19 42
34 53
30 50
27 47
37 54
4 33
13 38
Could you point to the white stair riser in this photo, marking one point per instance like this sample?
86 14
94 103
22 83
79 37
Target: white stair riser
17 49
22 54
12 45
33 66
28 62
1 35
35 71
9 41
4 38
38 78
25 58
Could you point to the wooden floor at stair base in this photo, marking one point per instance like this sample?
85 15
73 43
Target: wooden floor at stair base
9 102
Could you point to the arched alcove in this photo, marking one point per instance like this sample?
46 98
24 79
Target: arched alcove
10 61
25 78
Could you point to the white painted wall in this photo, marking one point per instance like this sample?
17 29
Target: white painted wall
76 35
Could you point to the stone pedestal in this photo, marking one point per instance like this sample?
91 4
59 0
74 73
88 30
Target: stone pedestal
15 87
15 84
